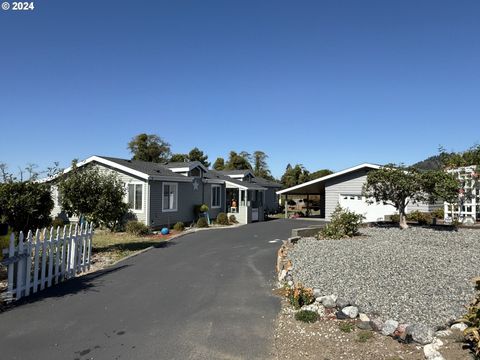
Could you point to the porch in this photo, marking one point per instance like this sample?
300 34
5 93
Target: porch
246 204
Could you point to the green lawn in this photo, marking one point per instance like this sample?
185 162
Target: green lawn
119 245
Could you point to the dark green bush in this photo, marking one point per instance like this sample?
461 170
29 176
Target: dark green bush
25 205
58 222
232 219
344 223
202 222
200 209
136 228
306 316
179 226
423 218
222 219
438 213
395 218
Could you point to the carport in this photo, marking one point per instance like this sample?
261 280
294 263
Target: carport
306 190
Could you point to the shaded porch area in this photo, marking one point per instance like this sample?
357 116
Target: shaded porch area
305 200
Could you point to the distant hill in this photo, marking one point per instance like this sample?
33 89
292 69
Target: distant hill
431 163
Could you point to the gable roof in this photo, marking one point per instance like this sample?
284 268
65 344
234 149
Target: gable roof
331 176
243 172
265 182
213 174
184 165
141 169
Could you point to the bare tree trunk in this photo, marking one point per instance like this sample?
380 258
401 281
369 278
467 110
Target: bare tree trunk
403 219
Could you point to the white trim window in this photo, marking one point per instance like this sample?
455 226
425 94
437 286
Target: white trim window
135 196
216 196
169 197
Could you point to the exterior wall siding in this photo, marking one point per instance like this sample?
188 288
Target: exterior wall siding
351 183
271 200
187 199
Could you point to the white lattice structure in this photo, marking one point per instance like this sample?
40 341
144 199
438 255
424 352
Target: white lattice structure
468 205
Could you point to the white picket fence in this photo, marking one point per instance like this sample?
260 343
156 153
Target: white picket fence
46 258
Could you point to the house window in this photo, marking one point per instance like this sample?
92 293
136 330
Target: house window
216 195
169 196
135 196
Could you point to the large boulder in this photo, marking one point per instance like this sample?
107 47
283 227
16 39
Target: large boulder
420 333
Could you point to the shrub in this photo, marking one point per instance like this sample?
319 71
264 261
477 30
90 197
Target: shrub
199 209
232 219
179 226
202 222
438 213
344 223
58 222
422 218
25 205
136 228
299 296
306 316
395 218
472 320
346 326
222 219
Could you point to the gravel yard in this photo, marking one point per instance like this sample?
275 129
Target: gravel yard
417 275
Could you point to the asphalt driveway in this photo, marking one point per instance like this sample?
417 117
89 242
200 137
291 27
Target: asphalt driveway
207 295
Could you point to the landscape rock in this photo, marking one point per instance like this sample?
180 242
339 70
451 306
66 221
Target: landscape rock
431 350
350 311
341 303
432 354
321 310
363 317
376 324
459 326
389 327
341 316
420 333
311 307
401 332
317 293
329 301
443 333
364 325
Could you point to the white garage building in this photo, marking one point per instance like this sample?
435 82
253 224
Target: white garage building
345 188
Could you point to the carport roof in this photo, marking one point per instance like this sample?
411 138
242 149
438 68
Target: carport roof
316 185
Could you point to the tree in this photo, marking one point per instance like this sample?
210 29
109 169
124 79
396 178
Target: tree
149 147
197 155
98 196
260 167
320 173
294 175
25 205
458 159
395 185
179 158
238 161
440 185
219 164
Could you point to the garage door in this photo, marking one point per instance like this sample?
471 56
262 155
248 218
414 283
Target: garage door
372 212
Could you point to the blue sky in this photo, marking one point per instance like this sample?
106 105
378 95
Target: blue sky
328 84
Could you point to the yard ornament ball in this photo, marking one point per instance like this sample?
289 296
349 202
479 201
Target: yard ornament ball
164 231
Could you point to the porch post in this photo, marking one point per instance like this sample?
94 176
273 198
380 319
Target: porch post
308 205
286 206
